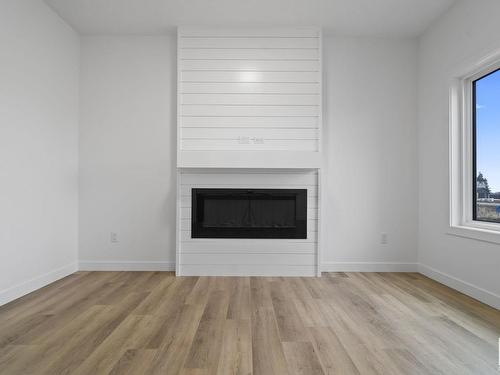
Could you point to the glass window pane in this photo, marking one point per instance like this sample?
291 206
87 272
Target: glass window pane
486 94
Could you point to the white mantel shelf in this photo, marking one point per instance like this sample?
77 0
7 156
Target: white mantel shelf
249 159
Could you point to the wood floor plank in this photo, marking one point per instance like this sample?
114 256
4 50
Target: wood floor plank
14 359
66 316
239 303
79 345
154 323
176 342
194 371
305 304
267 351
290 325
33 301
260 295
156 297
301 359
207 344
70 301
133 333
236 355
331 353
66 348
175 295
201 290
407 362
134 362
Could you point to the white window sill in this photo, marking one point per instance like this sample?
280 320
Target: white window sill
486 233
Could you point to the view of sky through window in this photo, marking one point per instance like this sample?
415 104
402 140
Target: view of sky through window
488 147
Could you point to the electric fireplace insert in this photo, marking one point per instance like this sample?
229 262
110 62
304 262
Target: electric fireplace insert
249 213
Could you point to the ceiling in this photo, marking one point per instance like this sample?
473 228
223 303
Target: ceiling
390 18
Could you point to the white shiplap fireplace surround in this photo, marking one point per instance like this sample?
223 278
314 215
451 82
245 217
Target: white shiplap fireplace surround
249 116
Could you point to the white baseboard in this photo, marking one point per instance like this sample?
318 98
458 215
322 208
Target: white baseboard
19 290
368 267
89 265
469 289
489 298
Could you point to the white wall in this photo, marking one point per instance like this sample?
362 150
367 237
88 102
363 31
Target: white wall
370 154
127 152
468 32
39 58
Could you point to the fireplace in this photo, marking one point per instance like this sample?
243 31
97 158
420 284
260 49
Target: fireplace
249 213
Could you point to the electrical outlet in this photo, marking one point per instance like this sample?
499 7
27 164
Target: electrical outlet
243 140
113 237
384 238
258 140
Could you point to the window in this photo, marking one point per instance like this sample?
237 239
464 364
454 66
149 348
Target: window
486 147
474 152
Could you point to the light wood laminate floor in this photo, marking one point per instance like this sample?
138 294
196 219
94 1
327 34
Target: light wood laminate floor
93 323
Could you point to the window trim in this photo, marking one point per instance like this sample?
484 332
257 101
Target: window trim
473 120
462 153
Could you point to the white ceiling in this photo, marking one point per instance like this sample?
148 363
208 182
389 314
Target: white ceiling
351 17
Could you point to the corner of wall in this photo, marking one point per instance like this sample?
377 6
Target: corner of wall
31 285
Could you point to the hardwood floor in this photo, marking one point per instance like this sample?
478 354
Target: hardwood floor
93 323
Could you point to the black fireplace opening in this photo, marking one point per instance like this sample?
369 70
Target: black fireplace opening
249 213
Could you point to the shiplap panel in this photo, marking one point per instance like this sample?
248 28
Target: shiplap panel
249 78
248 270
249 88
253 99
234 145
185 236
269 258
237 256
312 190
234 133
264 246
245 32
253 179
253 65
203 42
249 54
248 110
251 122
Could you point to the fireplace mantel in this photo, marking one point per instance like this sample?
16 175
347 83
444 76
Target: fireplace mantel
249 159
249 116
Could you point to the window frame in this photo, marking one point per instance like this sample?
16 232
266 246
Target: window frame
462 152
473 120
